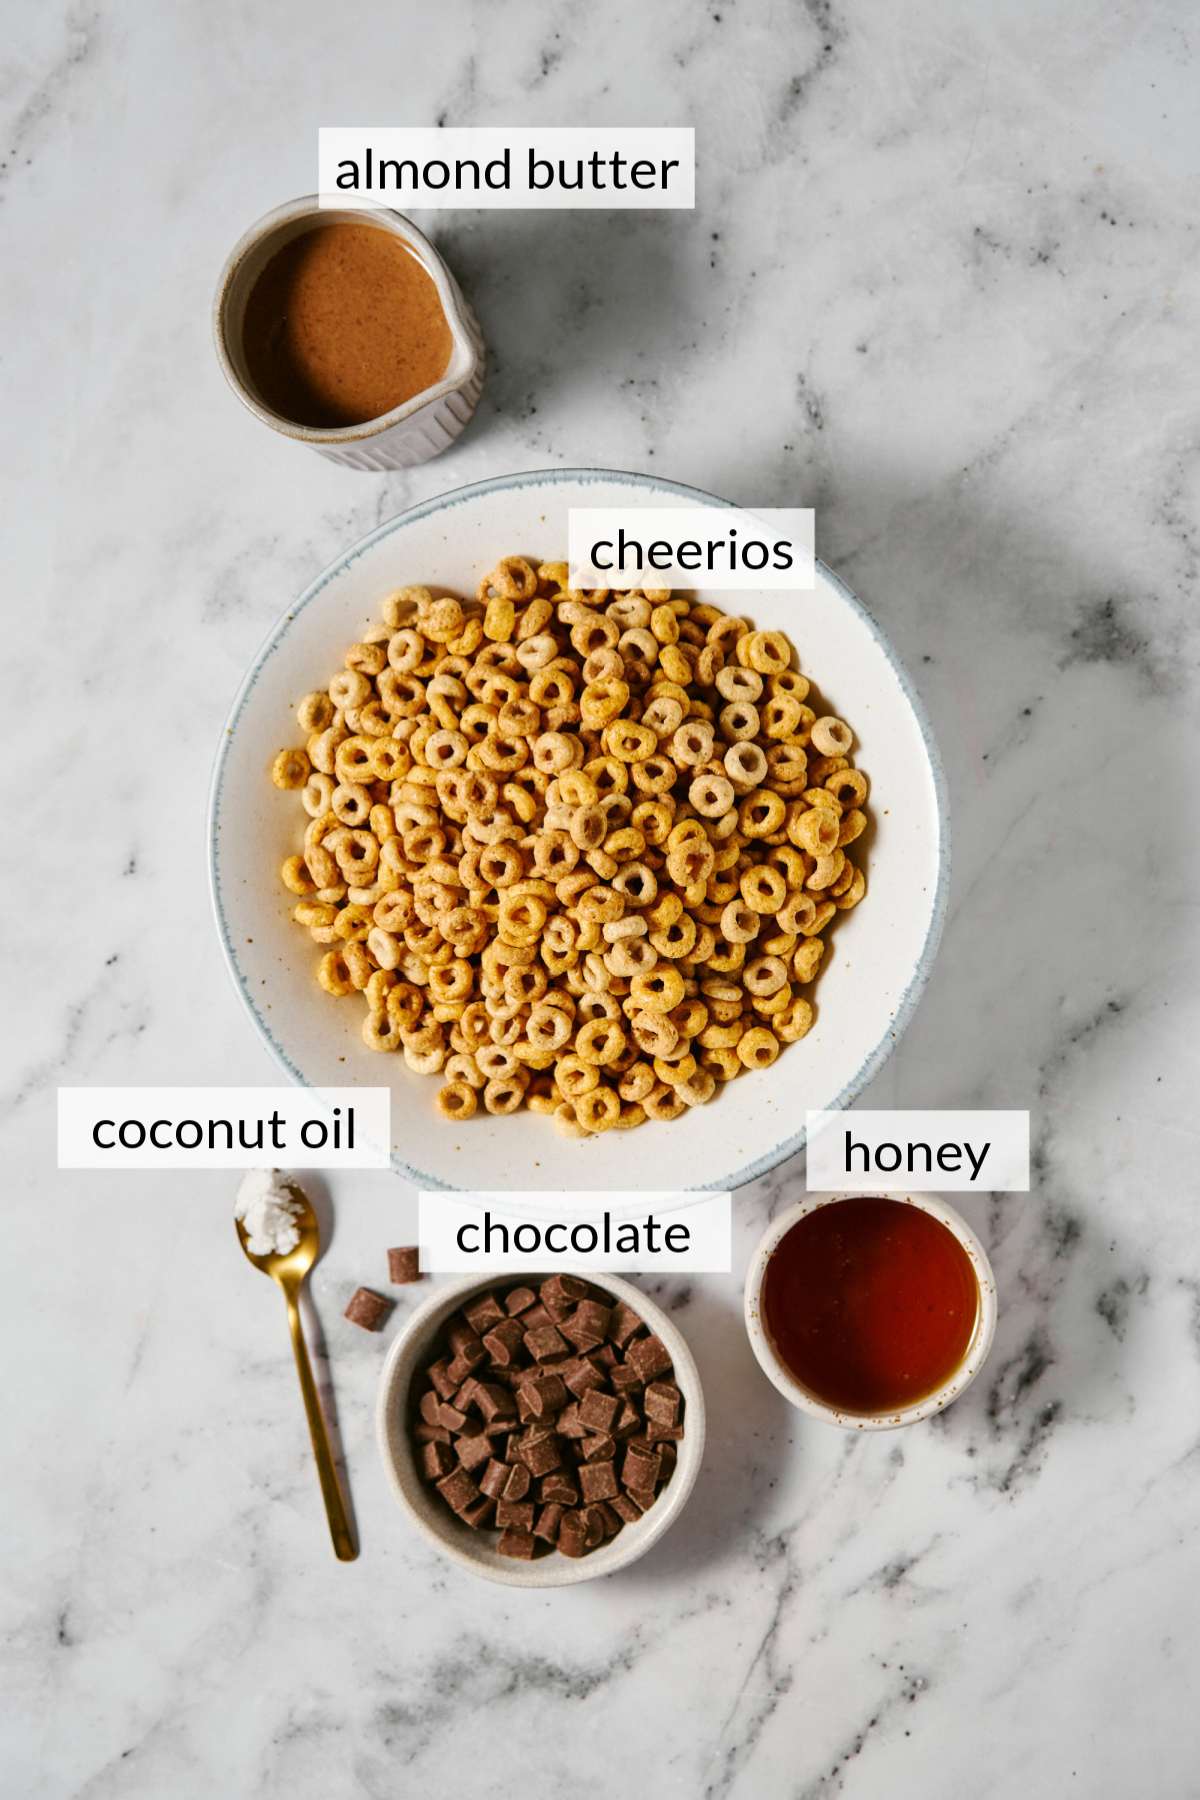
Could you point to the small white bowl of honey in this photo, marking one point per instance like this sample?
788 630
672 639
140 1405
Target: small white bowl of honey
870 1311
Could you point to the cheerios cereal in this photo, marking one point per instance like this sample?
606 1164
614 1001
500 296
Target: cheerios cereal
572 851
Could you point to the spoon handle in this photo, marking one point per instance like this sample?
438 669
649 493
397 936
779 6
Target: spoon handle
344 1546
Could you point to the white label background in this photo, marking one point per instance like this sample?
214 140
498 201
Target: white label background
1005 1169
442 1216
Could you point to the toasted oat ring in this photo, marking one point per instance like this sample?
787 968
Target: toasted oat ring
832 736
456 1100
758 1048
598 1110
658 990
600 1042
711 795
763 888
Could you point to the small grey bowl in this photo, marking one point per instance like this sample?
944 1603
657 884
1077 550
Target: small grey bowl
475 1550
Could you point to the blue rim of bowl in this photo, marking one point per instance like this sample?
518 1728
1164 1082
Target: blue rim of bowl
495 484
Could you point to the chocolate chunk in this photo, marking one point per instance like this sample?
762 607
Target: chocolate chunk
438 1374
661 1402
458 1490
430 1434
598 1481
431 1408
569 1424
541 1399
492 1480
605 1357
538 1449
517 1513
535 1315
543 1342
464 1340
559 1485
593 1525
612 1520
368 1309
519 1300
483 1313
643 1498
494 1402
572 1533
582 1375
626 1509
594 1315
627 1421
404 1264
478 1513
473 1451
503 1342
623 1379
639 1469
518 1483
667 1459
580 1333
597 1410
659 1433
623 1323
450 1417
520 1544
436 1460
649 1357
548 1521
601 1448
459 1368
561 1290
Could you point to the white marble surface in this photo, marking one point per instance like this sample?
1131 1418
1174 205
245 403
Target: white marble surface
942 283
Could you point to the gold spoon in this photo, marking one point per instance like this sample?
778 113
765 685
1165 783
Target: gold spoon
290 1272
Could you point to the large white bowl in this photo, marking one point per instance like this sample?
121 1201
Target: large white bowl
476 1550
880 955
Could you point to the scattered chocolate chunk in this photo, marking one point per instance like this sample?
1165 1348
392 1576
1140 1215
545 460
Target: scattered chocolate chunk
404 1264
368 1309
549 1416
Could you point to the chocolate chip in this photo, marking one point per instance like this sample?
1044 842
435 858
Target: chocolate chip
404 1264
368 1309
